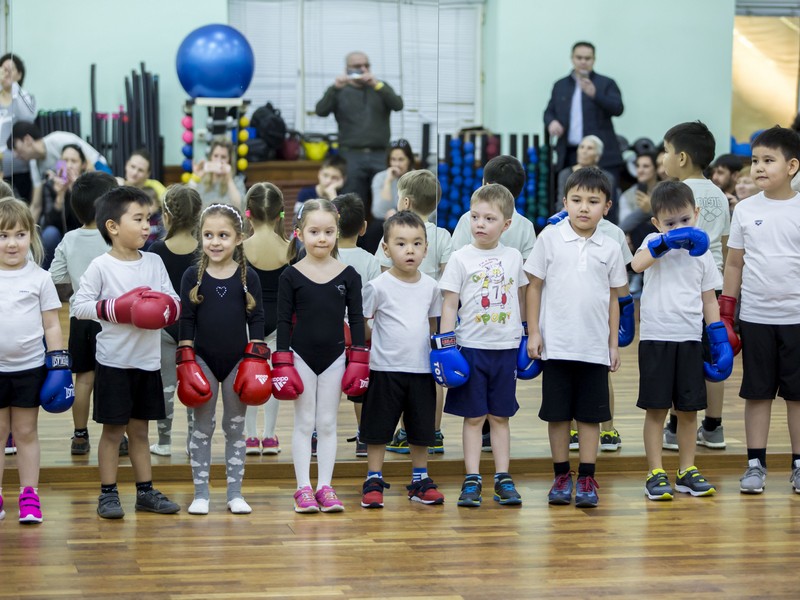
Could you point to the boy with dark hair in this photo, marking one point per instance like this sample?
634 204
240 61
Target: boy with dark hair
130 293
400 372
482 313
725 172
678 295
352 224
72 257
688 150
577 265
763 260
331 178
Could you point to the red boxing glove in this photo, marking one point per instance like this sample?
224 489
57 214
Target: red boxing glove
252 381
193 387
118 310
286 382
356 375
155 310
727 308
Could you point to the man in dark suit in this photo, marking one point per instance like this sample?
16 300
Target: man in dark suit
582 104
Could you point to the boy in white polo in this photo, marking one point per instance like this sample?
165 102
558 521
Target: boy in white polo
574 272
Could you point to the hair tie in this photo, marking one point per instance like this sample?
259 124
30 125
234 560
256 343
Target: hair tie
282 215
227 207
294 233
247 213
166 208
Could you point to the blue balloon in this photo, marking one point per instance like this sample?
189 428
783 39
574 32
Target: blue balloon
469 147
215 61
442 168
187 150
186 165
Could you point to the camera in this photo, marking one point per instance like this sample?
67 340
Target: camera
354 75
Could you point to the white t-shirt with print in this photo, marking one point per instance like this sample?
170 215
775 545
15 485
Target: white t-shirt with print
578 275
672 303
769 233
440 247
401 330
487 283
715 214
27 292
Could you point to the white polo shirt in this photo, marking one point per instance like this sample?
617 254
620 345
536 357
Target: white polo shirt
769 233
610 230
520 234
672 303
578 275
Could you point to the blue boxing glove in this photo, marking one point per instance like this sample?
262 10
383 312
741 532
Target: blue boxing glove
721 353
527 367
693 239
58 391
627 325
557 218
450 369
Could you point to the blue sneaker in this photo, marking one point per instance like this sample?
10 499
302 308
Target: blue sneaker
438 446
561 492
399 443
470 493
586 495
505 492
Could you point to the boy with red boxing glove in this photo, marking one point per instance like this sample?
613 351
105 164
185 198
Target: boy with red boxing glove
129 292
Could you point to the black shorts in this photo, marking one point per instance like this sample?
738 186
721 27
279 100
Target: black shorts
124 394
770 361
390 395
83 344
20 389
574 390
671 375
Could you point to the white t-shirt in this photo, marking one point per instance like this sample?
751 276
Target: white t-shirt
73 256
362 261
54 144
440 247
578 275
487 283
520 234
610 230
769 233
123 346
672 303
715 214
401 330
27 292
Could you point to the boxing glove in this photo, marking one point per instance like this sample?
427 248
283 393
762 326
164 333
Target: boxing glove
252 383
58 392
727 310
527 367
193 387
286 382
348 339
557 218
721 365
693 239
155 310
449 367
627 324
118 310
356 375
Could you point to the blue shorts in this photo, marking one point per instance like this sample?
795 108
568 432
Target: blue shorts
491 388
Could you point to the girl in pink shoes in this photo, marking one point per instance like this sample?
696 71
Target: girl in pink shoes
29 375
309 364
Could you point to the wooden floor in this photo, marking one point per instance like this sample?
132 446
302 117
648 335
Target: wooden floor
727 546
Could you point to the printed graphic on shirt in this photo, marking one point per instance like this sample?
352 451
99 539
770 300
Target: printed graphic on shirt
492 297
711 209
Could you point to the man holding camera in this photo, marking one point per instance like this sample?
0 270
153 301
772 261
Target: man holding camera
362 106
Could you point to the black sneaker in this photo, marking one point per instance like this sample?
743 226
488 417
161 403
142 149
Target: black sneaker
314 444
154 501
123 446
80 445
486 442
109 506
505 492
438 446
361 447
470 493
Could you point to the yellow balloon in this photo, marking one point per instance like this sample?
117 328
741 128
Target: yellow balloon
241 164
244 122
243 135
185 177
242 150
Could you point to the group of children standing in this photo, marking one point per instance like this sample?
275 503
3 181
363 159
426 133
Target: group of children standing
500 316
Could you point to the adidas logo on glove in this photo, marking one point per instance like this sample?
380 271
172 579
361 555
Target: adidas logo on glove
262 379
279 382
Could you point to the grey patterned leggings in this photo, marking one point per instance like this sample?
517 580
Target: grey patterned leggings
205 421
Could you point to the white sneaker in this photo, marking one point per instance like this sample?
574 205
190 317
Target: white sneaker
199 506
239 507
165 450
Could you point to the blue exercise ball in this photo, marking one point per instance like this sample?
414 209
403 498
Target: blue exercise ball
215 61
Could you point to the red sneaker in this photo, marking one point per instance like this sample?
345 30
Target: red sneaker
372 492
425 491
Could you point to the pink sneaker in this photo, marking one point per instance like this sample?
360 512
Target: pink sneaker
270 445
252 446
2 512
30 510
327 500
304 501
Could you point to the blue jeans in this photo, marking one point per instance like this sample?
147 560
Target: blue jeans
51 236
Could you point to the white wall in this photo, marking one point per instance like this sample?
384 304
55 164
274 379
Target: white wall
671 59
58 41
